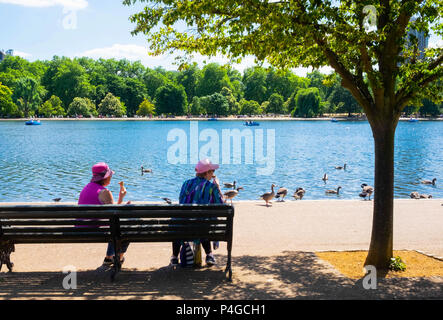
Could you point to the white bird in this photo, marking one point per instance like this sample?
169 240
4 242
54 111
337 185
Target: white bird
267 196
334 191
429 181
282 192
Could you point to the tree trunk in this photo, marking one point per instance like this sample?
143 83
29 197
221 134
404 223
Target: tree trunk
380 250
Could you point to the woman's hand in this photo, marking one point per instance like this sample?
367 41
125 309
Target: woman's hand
215 180
122 192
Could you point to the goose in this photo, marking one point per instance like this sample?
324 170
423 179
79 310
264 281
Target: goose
299 194
231 194
429 181
415 195
282 192
363 195
57 199
367 189
146 170
334 191
168 201
230 185
339 167
325 177
425 196
267 196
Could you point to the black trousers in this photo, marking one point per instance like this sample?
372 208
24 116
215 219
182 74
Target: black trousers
176 245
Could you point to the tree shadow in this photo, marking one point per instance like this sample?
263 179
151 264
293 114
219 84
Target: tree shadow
291 275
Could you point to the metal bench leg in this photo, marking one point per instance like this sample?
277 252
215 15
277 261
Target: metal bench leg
117 264
228 263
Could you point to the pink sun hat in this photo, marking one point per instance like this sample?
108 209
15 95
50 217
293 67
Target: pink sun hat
100 171
205 165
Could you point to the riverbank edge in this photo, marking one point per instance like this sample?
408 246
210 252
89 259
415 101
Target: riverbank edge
239 201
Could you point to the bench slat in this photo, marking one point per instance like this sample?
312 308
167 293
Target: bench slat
47 222
107 215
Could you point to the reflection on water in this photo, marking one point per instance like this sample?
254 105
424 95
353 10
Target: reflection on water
39 163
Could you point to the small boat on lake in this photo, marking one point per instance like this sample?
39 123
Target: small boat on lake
32 122
251 123
334 120
413 120
212 119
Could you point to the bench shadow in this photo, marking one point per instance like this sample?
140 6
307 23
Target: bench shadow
291 275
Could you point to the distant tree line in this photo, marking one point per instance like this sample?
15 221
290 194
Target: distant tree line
108 87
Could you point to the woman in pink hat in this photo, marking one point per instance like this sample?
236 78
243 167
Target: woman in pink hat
95 192
200 190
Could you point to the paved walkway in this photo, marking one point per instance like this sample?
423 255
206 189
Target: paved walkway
272 258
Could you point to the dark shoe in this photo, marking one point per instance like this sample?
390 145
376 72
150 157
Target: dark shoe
108 262
210 260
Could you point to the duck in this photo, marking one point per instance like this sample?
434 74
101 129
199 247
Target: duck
231 194
340 168
267 196
168 201
334 191
367 189
57 199
282 192
415 195
325 177
426 196
146 170
429 181
230 185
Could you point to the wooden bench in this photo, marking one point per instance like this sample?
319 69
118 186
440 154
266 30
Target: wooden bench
23 224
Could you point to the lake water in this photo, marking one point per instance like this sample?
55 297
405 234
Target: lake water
39 163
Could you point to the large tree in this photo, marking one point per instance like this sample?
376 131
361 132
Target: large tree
28 94
377 63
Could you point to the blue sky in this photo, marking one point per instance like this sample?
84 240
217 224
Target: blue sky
40 29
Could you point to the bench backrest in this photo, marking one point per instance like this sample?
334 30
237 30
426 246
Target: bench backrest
135 223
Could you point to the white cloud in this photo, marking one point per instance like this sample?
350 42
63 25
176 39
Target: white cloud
71 4
435 43
22 54
134 52
131 52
